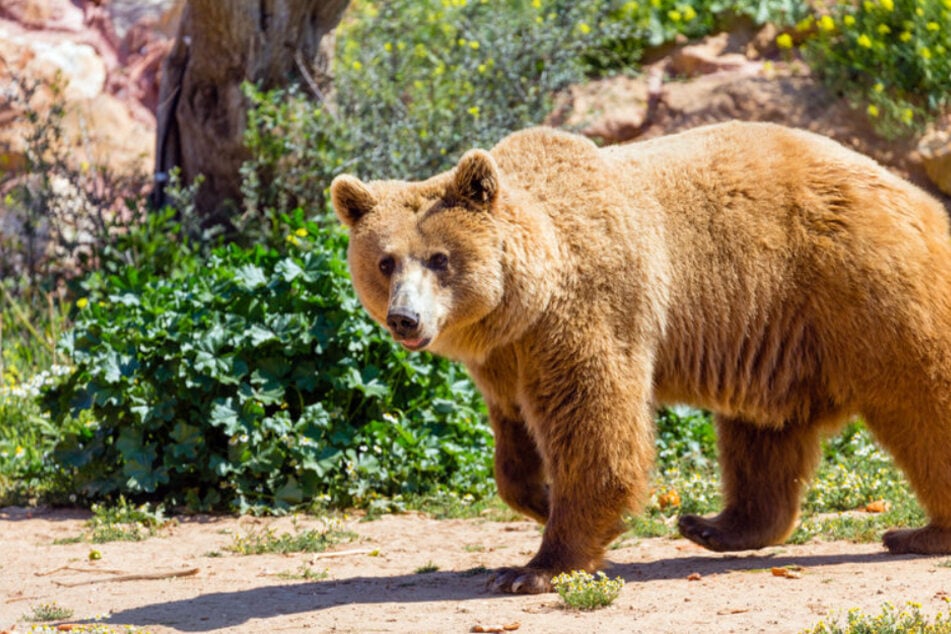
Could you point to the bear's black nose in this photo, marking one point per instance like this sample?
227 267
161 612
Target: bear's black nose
403 322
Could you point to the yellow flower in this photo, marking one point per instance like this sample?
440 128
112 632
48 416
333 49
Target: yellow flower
461 41
865 41
884 29
292 239
784 40
826 23
584 28
920 12
481 69
675 16
301 233
879 87
536 4
689 13
82 302
388 47
872 110
848 20
905 36
474 45
84 166
932 26
888 5
907 115
357 65
925 52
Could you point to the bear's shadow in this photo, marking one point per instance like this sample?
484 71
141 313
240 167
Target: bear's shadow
211 611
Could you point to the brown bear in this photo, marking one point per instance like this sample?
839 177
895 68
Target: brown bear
764 273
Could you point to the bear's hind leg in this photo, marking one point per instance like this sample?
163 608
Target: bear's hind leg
920 443
763 471
519 469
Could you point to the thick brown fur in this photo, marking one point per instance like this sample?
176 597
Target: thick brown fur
767 274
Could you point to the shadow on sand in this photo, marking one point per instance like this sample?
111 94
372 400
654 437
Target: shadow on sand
218 610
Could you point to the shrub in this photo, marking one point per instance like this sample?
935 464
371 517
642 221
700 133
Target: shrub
582 591
416 84
257 382
891 620
890 57
629 26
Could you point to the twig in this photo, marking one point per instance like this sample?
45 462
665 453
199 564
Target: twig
343 553
139 577
77 569
312 85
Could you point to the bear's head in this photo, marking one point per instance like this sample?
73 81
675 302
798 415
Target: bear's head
426 257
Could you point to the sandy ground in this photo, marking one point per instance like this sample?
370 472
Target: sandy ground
373 583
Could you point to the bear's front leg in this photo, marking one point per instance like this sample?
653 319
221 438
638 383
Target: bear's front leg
595 433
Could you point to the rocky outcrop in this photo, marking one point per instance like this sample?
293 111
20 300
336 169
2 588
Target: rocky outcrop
109 84
725 77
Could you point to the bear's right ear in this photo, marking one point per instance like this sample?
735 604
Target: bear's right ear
351 199
476 179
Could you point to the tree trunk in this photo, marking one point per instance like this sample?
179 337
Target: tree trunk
202 111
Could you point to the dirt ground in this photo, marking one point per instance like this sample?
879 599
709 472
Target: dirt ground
374 583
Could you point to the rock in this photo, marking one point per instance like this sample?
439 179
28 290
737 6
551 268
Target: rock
935 151
107 100
56 15
707 56
610 110
82 70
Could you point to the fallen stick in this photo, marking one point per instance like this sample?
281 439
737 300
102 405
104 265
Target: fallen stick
138 577
342 553
77 569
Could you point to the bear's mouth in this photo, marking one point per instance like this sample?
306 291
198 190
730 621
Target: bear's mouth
414 344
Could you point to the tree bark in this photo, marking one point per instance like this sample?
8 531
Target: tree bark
202 111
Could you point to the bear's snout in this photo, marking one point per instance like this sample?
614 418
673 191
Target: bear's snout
403 322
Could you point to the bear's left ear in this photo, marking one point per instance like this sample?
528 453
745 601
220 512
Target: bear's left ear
476 179
351 198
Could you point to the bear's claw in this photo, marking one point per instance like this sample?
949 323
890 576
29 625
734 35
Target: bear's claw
520 581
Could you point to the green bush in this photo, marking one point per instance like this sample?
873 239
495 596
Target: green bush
891 57
629 27
891 620
258 381
416 84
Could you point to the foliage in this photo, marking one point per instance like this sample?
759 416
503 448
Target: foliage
48 612
891 57
631 26
123 521
260 382
582 591
891 620
416 84
301 541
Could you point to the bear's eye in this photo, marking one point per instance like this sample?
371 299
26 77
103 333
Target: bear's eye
387 265
438 262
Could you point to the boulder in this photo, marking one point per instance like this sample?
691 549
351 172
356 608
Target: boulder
935 151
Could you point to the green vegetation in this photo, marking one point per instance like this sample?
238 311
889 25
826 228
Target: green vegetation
582 591
891 57
301 541
891 620
427 568
48 612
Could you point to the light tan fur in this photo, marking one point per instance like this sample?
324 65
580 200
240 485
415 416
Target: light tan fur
767 274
